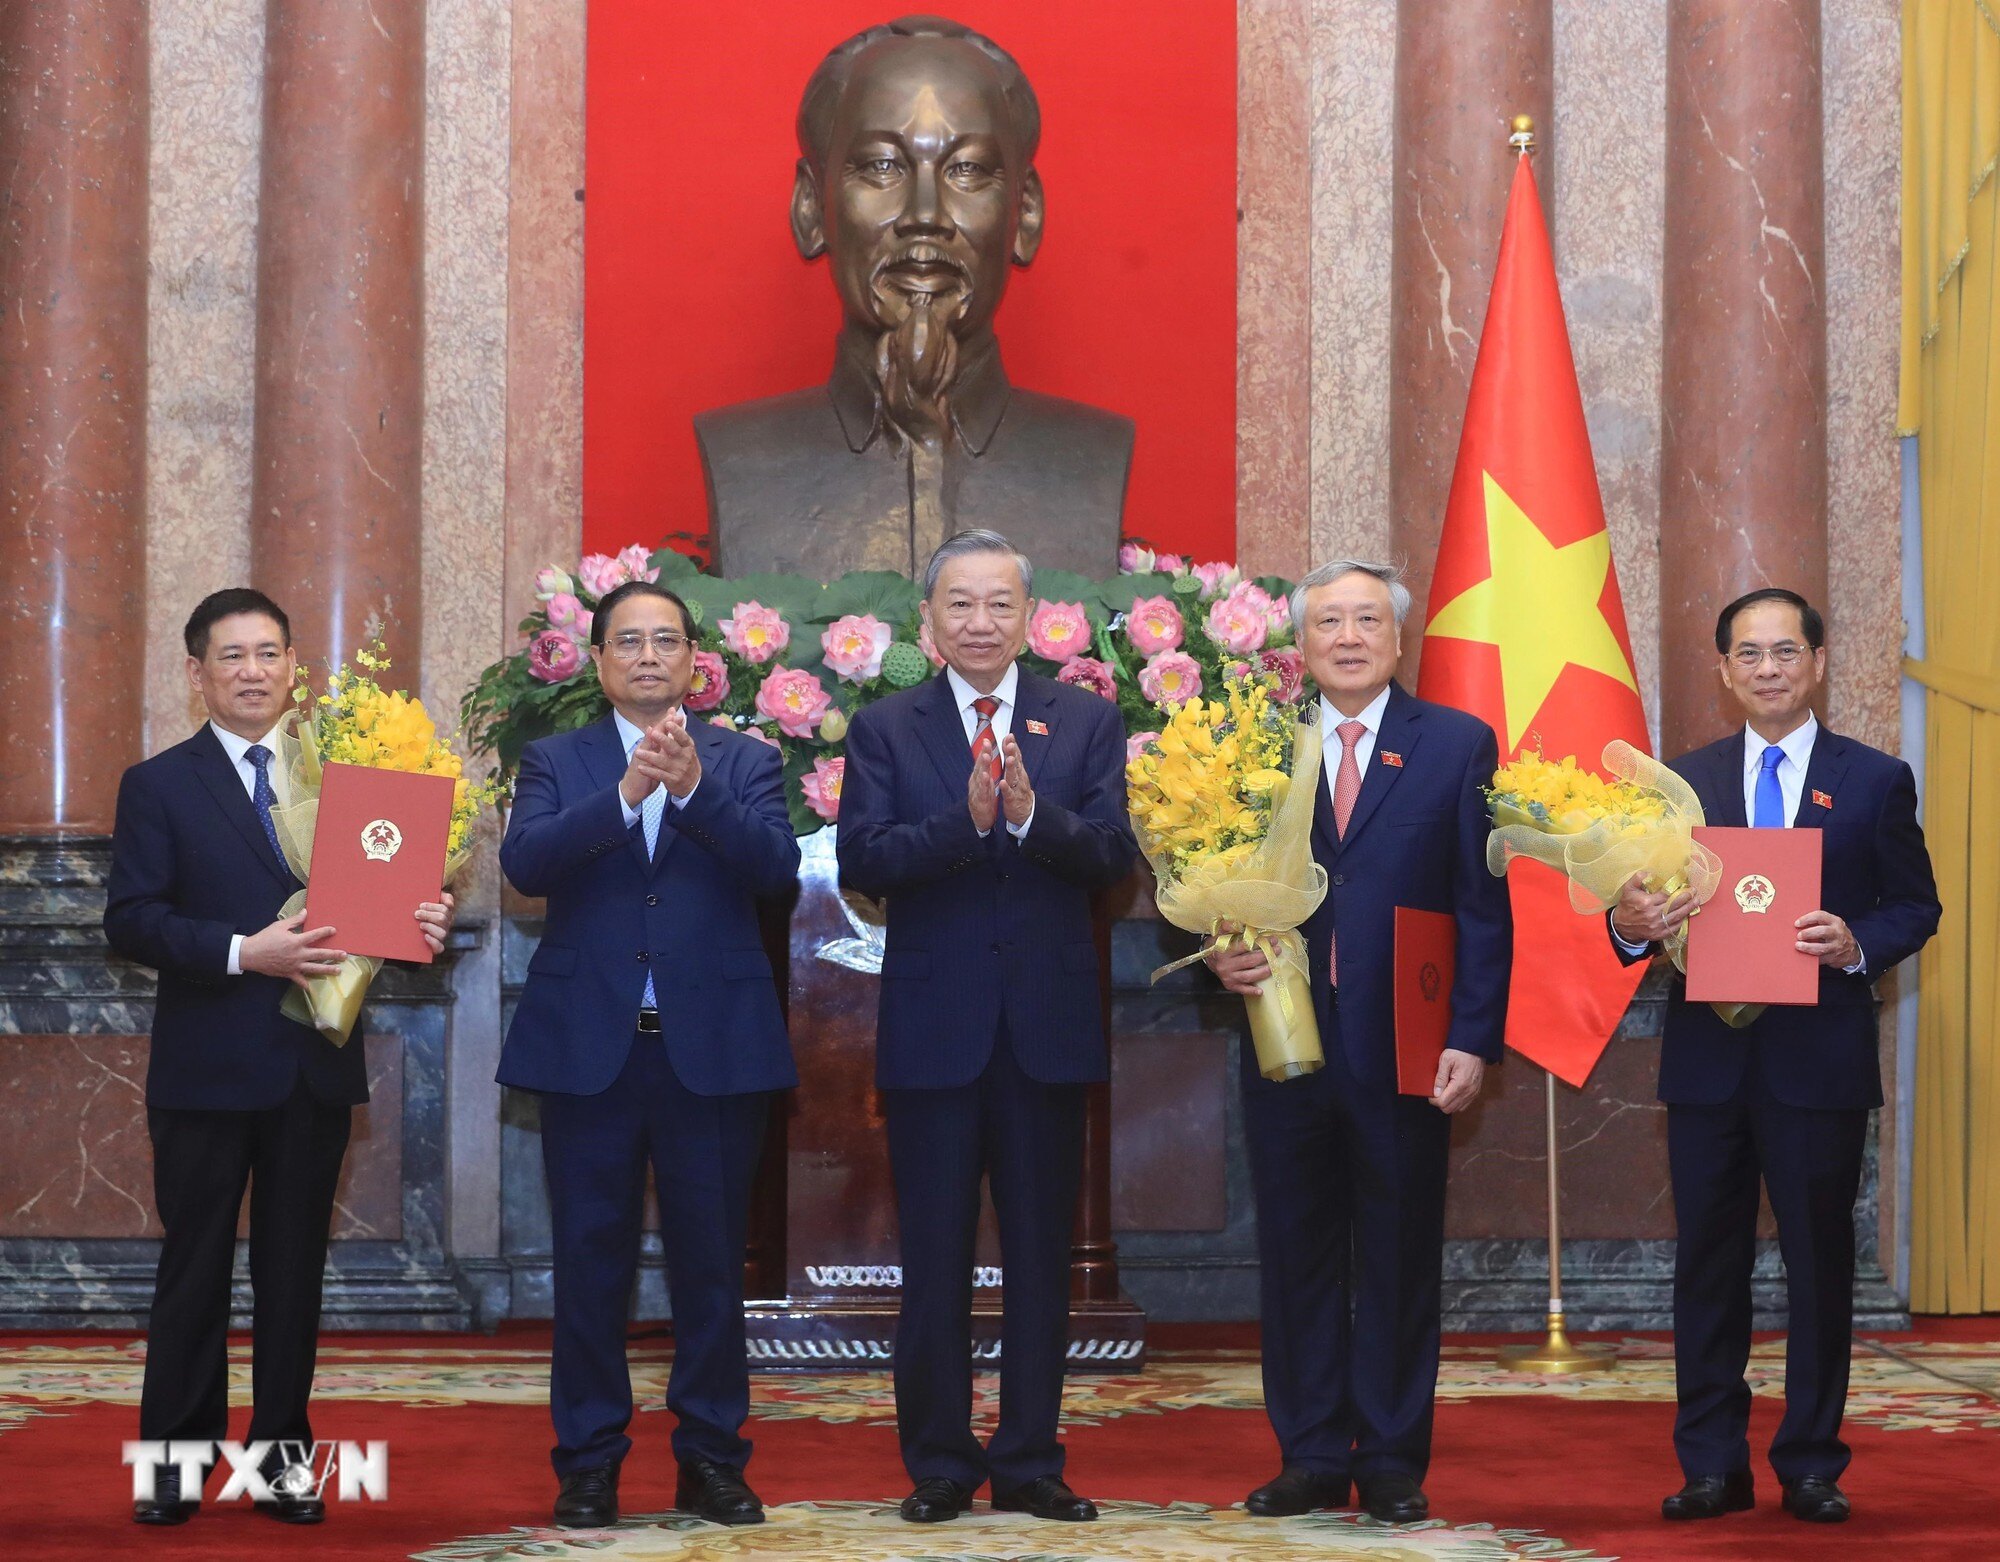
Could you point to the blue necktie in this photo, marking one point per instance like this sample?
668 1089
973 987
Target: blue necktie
262 795
1770 796
650 813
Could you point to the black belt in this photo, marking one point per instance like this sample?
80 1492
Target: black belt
649 1022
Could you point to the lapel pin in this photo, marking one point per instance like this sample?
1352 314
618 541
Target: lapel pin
1823 800
1039 728
1389 758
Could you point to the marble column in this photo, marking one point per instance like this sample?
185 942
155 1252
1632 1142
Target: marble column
73 179
1462 72
336 498
1743 472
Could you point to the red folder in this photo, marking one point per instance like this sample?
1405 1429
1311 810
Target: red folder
1742 945
378 853
1426 957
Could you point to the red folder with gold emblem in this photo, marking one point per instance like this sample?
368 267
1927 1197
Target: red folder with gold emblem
378 853
1426 957
1743 944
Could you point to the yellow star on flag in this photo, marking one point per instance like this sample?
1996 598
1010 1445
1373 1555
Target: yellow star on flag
1539 607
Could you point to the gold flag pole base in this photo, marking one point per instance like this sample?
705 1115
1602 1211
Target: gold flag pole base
1556 1354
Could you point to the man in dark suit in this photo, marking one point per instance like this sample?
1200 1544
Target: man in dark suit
650 1028
236 1094
986 805
1786 1097
1349 1175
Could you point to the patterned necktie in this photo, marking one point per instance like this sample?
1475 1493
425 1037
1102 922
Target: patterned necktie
650 813
1346 787
1770 796
985 746
264 797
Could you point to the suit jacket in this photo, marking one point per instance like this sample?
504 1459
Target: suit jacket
190 866
687 917
1416 838
985 929
1875 875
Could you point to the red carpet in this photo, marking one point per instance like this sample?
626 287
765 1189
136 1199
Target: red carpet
1580 1464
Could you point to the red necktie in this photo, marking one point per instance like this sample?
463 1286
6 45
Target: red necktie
1346 787
986 747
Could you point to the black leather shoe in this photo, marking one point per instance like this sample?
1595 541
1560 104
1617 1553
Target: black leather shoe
1711 1496
1046 1497
165 1505
936 1499
1297 1490
589 1498
1394 1499
718 1493
1817 1500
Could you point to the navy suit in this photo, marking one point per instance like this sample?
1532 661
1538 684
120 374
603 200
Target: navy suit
692 1096
991 1025
1787 1097
1349 1175
236 1095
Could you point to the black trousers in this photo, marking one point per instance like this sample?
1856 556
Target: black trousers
1810 1160
1027 1139
289 1156
1350 1184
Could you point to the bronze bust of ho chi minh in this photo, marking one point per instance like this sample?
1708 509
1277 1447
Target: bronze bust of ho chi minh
916 180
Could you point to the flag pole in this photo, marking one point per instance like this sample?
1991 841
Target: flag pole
1554 1353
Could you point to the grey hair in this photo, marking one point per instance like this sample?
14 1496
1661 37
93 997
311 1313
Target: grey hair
1391 575
977 541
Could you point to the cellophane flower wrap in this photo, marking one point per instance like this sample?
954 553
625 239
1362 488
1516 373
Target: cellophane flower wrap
358 722
1599 832
1222 804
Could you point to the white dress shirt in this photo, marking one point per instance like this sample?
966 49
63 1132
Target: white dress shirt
630 735
1003 722
1364 746
281 787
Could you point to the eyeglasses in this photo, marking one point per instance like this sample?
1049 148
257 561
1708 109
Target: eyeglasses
1751 657
629 646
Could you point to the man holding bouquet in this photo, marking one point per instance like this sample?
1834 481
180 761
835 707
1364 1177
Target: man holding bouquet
1350 1176
1786 1097
237 1095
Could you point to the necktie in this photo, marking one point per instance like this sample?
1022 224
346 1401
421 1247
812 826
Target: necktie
264 797
1346 787
1770 796
986 747
650 813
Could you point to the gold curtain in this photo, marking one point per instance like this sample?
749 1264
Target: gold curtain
1950 399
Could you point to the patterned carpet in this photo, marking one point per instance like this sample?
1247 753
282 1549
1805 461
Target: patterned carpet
1527 1467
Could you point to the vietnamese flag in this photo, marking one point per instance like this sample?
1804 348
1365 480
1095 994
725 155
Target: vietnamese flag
1526 628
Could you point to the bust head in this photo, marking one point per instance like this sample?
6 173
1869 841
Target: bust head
916 175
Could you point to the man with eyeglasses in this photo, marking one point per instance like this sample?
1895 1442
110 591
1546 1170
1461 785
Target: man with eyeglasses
649 1028
1786 1097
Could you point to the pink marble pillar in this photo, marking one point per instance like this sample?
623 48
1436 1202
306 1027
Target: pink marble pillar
1462 72
1743 354
74 137
336 497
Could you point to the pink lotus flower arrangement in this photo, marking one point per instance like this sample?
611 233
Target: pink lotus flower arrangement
789 662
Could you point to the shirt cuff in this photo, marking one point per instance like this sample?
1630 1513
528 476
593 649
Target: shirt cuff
682 802
1020 831
631 814
1620 940
235 967
1860 961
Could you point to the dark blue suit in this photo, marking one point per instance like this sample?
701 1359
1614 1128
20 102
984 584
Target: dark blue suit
236 1095
1349 1175
1787 1097
692 1097
991 1025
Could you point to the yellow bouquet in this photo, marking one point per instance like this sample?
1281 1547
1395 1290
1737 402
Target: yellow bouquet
1223 807
358 722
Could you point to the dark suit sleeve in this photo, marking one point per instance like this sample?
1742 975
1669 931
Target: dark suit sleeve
1626 956
1484 916
545 841
751 833
141 921
880 855
1907 911
1092 844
